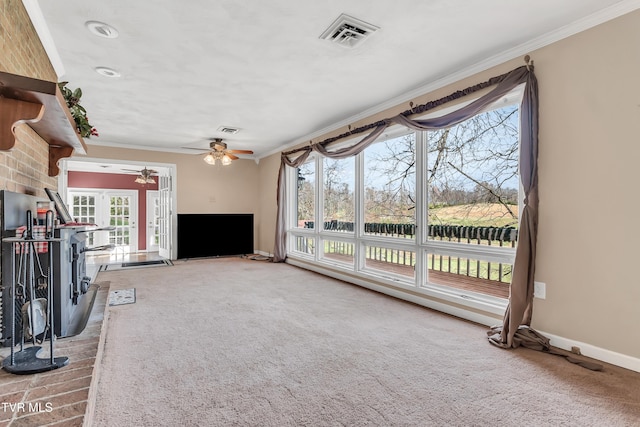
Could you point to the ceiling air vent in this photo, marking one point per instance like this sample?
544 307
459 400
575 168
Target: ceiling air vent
228 129
348 31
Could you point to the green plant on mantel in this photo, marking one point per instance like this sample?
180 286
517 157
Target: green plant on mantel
85 129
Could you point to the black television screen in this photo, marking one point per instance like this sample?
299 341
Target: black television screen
209 235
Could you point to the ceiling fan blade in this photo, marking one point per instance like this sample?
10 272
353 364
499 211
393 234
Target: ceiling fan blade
239 151
196 148
231 156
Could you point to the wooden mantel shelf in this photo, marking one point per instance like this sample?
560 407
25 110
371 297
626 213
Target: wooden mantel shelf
41 105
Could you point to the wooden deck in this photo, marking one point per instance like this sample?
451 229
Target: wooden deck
452 280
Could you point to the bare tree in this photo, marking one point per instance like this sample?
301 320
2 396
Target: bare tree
338 190
306 192
471 164
476 162
390 179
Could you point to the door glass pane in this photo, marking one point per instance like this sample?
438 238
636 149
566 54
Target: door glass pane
83 209
155 239
119 210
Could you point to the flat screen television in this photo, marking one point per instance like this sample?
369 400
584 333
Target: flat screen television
211 235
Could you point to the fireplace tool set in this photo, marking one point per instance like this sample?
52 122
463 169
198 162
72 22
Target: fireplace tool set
35 313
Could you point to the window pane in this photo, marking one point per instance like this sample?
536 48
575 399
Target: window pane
390 187
389 260
338 251
338 186
305 245
473 177
306 181
490 278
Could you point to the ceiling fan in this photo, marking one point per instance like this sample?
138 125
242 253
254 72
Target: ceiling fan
218 151
145 177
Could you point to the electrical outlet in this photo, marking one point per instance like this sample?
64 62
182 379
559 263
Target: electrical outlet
540 290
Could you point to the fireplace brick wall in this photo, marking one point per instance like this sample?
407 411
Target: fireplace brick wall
24 169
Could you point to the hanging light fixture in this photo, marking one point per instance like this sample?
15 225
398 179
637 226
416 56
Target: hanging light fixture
218 152
221 153
216 155
142 180
145 177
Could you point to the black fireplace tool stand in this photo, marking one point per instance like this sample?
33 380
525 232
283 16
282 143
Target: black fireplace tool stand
23 286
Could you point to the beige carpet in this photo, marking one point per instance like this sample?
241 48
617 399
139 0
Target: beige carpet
233 342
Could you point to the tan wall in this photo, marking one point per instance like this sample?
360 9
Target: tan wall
25 168
268 207
589 148
201 188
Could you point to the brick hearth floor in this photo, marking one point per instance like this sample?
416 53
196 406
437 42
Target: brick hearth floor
64 396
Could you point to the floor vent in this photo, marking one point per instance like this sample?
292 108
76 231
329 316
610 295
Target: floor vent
348 31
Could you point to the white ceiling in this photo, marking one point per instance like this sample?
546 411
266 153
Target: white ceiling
191 67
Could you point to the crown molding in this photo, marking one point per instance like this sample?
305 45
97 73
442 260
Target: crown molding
600 17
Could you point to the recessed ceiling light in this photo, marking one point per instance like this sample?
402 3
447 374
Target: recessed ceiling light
107 72
101 29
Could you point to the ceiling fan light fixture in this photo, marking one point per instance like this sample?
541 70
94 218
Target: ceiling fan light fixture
226 160
210 158
145 177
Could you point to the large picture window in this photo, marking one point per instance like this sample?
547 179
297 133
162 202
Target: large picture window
431 209
468 210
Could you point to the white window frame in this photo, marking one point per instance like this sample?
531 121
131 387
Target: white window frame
420 245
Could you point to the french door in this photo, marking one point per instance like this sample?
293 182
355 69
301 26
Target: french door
165 216
153 221
116 209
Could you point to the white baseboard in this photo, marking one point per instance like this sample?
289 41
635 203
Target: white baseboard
598 353
587 350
